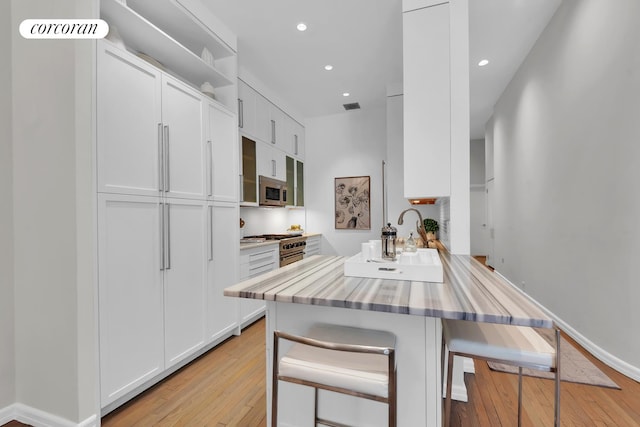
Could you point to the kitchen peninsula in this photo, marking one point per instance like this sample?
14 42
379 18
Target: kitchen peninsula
316 290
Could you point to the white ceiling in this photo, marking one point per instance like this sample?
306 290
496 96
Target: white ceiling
362 39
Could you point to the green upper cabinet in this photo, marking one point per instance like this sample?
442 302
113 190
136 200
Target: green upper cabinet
291 181
295 182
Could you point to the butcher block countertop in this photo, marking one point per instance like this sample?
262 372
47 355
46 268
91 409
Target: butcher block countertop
470 291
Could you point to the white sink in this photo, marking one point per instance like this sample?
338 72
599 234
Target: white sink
422 266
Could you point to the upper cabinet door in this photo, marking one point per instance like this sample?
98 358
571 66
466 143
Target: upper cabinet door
278 126
427 102
263 119
182 135
246 109
297 139
128 123
222 154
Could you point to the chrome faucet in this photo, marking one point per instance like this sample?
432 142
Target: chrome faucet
419 224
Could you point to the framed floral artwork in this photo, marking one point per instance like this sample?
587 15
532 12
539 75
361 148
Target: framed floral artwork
353 200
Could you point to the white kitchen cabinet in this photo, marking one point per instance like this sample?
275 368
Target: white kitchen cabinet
182 112
297 140
279 128
263 119
129 121
185 238
131 293
427 102
222 261
149 129
313 246
271 162
151 287
221 154
246 109
253 262
254 113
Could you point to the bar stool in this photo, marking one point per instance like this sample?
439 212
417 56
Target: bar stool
347 360
513 345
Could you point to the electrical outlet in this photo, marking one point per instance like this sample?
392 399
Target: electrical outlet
502 259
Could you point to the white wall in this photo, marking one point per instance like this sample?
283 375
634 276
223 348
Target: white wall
7 348
567 181
352 143
478 200
53 209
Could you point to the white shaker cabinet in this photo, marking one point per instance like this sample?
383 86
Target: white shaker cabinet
253 262
246 109
222 154
427 102
149 129
222 271
313 246
254 113
130 292
184 240
271 162
129 121
182 112
297 139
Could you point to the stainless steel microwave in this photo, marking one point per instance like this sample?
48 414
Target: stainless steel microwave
273 192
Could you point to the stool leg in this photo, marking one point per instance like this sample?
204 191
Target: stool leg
274 384
519 396
447 402
556 421
315 407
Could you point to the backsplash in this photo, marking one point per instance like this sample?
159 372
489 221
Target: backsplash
271 220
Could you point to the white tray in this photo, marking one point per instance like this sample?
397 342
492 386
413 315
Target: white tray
422 266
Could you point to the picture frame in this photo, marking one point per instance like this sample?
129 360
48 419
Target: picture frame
352 203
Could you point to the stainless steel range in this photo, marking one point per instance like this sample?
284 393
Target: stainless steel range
291 246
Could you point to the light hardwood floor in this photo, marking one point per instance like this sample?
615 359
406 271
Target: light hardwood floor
226 387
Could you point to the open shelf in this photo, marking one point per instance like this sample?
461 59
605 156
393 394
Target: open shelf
142 36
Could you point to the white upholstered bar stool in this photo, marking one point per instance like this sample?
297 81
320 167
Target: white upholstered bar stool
353 361
513 345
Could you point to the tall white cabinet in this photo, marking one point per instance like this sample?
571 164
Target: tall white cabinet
167 181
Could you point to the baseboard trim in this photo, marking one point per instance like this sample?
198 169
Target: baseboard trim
35 417
601 354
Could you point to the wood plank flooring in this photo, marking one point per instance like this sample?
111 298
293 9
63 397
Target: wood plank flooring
226 387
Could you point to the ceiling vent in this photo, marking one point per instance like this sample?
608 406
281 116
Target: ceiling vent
352 106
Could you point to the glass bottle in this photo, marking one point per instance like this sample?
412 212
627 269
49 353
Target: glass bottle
410 245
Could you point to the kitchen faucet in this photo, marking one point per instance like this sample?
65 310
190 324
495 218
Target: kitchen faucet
419 225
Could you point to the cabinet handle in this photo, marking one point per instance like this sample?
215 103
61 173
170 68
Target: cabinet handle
240 113
160 159
273 131
167 239
210 168
274 170
295 144
210 233
167 182
161 222
241 188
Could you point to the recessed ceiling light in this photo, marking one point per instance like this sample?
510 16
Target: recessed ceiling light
301 26
328 67
346 94
483 62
